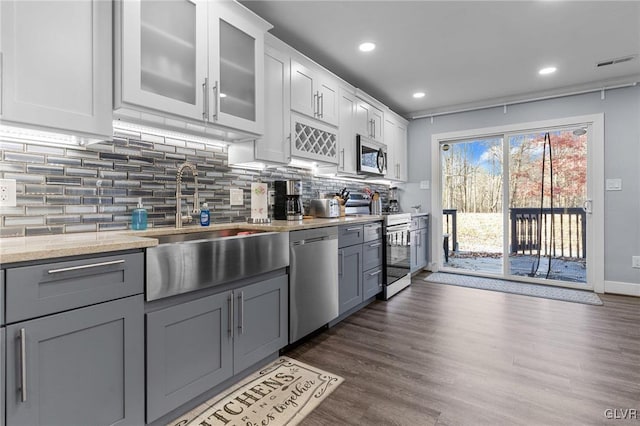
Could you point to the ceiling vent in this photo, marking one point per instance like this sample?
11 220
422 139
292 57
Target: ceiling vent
615 61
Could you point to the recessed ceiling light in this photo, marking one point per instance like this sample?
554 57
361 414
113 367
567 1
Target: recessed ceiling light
367 46
418 95
547 70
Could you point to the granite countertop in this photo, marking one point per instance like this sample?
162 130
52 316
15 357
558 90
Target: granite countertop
23 249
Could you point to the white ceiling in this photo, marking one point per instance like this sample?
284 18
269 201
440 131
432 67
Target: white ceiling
463 54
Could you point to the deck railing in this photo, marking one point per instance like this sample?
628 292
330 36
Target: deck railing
570 236
451 229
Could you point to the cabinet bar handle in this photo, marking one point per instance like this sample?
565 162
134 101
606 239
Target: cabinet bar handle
23 365
205 99
230 300
373 274
316 104
352 229
321 98
241 313
375 245
216 101
342 154
92 265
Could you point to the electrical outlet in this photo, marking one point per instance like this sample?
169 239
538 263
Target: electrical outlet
236 197
635 261
7 192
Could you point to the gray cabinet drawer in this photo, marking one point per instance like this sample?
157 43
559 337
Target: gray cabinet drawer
349 235
415 223
34 291
371 254
372 231
372 282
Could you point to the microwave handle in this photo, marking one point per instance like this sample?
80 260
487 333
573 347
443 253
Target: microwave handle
381 160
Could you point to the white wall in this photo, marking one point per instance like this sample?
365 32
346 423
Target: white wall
621 108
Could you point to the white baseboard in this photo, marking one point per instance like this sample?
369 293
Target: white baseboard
617 287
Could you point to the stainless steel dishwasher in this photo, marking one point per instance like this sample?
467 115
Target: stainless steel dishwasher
313 280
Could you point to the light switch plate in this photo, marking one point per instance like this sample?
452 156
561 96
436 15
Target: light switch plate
7 192
613 184
236 196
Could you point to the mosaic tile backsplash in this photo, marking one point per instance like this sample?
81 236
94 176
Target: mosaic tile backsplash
76 189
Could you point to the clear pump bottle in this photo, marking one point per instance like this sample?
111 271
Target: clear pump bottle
139 217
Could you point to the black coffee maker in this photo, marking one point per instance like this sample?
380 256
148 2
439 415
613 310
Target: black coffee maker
288 200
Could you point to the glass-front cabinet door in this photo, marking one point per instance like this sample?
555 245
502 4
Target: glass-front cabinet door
164 55
236 67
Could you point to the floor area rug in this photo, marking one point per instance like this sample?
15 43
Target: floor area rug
282 393
545 291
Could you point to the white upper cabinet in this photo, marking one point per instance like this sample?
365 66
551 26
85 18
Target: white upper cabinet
199 60
236 67
314 93
163 56
347 133
273 147
395 130
369 120
401 153
390 130
56 66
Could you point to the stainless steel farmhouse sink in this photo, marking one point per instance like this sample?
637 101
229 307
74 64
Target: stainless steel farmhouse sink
192 261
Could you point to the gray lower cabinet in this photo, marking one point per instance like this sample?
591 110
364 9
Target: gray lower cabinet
419 243
189 350
81 367
196 345
350 277
262 321
2 374
423 252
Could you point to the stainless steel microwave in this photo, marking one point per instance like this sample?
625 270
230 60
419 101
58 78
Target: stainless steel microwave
371 156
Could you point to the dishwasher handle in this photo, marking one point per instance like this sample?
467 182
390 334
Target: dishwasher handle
313 240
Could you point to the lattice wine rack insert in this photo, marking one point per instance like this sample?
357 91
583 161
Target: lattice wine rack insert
315 142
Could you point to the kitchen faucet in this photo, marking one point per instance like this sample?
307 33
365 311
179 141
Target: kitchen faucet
179 217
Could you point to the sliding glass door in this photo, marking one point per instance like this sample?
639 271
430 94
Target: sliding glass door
515 205
547 195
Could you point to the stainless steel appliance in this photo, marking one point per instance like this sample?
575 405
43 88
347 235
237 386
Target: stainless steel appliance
396 229
324 207
371 156
288 200
313 280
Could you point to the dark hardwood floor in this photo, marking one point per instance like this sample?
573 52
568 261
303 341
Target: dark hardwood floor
445 355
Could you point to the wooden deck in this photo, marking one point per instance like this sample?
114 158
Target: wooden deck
446 355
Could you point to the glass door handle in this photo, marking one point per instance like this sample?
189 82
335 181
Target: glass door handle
205 100
216 101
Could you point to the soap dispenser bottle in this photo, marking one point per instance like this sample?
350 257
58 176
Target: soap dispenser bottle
205 215
139 217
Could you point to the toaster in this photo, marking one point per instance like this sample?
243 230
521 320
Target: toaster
325 207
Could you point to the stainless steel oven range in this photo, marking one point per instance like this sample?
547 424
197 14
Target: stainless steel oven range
397 253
